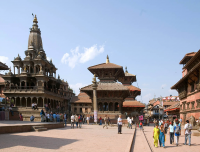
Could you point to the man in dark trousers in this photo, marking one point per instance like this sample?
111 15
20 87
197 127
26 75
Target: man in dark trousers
119 122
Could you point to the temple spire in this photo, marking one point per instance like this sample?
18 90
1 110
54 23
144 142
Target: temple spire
35 19
107 60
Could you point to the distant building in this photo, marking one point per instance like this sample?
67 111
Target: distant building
188 86
156 107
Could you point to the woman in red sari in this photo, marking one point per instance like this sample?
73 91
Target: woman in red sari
20 117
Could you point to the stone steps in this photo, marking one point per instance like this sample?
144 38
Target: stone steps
39 128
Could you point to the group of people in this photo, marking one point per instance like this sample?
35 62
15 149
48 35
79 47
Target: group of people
78 120
34 106
160 131
49 117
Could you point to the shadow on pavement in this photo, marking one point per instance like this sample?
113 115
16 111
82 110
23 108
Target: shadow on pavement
34 141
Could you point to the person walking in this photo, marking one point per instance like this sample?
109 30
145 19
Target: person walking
187 132
80 119
100 121
65 119
108 121
72 121
105 121
162 136
76 120
119 122
130 123
166 126
54 117
156 132
140 125
171 133
88 120
58 117
177 131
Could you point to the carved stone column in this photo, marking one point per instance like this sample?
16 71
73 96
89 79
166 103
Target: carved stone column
14 69
43 101
18 70
26 101
34 68
37 100
20 101
94 87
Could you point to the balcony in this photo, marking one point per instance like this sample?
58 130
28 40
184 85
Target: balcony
36 89
183 94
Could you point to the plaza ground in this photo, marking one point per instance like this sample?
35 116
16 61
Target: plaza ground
88 138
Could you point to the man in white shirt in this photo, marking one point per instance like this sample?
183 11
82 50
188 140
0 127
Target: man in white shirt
130 123
119 122
188 128
33 106
72 121
88 120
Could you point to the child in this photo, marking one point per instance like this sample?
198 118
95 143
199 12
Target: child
156 133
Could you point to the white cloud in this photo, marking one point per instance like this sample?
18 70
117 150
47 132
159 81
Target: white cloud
5 60
77 57
76 87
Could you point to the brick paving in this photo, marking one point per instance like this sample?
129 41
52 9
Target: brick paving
89 138
195 143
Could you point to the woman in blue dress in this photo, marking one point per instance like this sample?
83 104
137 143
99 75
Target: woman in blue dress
162 136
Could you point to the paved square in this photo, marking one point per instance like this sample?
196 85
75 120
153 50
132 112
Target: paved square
88 138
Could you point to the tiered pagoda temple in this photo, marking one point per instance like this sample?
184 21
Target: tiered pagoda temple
113 98
35 79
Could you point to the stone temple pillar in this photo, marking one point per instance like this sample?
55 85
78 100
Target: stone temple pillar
94 86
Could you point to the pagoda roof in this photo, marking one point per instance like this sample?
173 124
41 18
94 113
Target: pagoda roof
128 74
187 57
133 104
106 86
175 106
186 76
3 66
133 88
105 66
81 98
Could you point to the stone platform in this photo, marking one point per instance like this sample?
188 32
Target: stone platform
25 126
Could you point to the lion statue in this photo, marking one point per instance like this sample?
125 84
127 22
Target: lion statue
192 121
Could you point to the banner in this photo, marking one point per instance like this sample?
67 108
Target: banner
141 117
95 115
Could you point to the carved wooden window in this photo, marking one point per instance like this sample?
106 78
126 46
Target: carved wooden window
192 104
198 103
192 87
188 105
183 105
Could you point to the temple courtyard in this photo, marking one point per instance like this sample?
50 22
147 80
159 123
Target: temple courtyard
90 138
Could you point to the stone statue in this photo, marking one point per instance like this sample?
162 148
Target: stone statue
192 121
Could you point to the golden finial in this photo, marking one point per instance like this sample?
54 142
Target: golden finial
94 79
107 60
35 19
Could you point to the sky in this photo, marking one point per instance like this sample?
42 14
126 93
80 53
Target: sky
149 37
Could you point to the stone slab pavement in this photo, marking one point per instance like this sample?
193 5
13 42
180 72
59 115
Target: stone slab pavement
87 139
140 144
18 123
195 142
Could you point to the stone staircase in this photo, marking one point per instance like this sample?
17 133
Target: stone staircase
39 128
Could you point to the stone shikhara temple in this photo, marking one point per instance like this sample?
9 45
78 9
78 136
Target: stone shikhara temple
35 80
113 98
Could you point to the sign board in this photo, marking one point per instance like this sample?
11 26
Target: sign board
141 117
95 115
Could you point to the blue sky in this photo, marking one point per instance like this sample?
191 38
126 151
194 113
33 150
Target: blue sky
149 37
